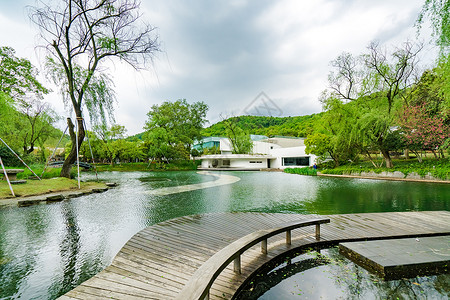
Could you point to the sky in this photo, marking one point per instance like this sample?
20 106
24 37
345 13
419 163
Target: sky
239 57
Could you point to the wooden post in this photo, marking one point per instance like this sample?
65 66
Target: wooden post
6 176
288 237
264 246
78 155
237 264
317 231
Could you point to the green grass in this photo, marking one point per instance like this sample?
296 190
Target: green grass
37 187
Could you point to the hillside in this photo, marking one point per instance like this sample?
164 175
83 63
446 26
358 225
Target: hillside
299 126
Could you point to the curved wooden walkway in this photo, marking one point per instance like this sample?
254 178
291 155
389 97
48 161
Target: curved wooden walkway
158 261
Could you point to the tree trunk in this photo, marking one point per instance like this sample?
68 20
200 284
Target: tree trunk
387 158
72 157
435 155
370 158
406 153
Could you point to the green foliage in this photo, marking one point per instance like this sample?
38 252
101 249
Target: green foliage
438 11
98 96
172 128
179 165
8 158
18 76
320 145
301 171
241 142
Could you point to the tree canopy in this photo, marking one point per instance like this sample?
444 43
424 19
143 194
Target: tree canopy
172 128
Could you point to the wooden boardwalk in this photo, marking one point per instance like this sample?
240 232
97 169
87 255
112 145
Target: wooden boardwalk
158 261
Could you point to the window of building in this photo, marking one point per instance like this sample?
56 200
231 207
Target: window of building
256 161
296 161
226 162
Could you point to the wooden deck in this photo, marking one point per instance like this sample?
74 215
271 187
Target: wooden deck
158 261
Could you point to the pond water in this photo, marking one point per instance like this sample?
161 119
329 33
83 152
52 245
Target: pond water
46 250
329 275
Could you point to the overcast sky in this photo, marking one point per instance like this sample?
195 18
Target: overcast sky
226 53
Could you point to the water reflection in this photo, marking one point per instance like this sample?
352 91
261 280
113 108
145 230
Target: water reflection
330 276
46 250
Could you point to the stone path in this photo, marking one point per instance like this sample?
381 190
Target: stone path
222 179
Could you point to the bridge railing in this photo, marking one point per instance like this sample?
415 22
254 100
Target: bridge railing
200 283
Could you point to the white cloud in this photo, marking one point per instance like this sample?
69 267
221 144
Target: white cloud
226 53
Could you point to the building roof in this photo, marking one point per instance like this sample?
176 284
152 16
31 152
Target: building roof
236 156
286 142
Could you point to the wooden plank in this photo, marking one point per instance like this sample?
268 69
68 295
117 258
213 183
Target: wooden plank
203 278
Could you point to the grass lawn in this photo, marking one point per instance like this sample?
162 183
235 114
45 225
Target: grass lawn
37 187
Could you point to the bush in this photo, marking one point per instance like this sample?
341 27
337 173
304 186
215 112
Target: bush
301 171
8 158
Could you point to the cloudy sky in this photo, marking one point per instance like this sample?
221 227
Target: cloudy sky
226 53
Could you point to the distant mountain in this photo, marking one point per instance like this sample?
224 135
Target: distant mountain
299 126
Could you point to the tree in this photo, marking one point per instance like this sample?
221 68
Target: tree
438 11
423 131
393 77
18 76
320 145
241 142
108 136
80 35
172 126
36 124
26 119
333 138
385 77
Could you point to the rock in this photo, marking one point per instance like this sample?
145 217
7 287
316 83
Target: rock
55 198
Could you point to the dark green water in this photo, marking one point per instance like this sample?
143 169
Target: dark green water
46 250
329 275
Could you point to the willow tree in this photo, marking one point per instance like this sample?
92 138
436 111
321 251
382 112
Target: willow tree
376 75
79 37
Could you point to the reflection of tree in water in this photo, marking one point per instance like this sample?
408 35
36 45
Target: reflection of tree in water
26 230
76 267
357 283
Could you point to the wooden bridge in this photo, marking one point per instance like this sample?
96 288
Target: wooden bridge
160 261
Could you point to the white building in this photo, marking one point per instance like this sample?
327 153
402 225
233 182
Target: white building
268 153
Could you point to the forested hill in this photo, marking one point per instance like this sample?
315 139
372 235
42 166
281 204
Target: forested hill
299 126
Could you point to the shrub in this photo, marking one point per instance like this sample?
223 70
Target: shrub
301 171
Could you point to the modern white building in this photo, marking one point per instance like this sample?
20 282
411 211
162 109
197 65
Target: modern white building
267 153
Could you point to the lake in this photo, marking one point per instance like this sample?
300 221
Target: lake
46 250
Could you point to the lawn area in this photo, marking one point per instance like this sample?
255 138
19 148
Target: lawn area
37 187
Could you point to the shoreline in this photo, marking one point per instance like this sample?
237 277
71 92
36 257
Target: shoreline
381 177
47 198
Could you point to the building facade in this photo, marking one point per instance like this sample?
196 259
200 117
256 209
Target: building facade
267 153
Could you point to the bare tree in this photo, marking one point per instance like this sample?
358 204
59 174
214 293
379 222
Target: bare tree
347 78
79 35
396 75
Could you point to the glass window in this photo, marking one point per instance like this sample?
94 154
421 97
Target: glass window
296 161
